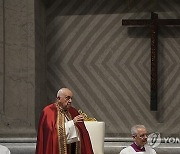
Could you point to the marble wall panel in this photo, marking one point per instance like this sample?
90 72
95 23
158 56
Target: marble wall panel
108 66
1 58
19 116
40 57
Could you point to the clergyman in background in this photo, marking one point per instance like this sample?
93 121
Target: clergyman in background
139 146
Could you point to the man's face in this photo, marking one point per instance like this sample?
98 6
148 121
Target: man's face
141 137
65 99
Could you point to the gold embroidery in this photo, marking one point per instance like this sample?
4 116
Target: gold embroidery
61 131
61 114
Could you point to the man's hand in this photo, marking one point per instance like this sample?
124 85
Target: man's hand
78 118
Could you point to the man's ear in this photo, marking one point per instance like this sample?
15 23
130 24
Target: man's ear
58 98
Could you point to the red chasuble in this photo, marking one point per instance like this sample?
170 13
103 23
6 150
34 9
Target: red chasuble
50 138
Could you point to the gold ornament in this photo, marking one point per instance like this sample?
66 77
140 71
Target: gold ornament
86 118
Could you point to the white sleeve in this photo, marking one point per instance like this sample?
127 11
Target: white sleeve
122 151
4 150
154 152
71 132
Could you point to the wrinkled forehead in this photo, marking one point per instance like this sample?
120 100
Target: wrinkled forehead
67 92
141 131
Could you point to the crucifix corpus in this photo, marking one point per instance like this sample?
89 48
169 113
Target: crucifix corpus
154 24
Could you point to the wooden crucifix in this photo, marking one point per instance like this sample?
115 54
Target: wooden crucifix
153 23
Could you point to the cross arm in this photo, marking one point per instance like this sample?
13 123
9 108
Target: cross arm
140 22
168 21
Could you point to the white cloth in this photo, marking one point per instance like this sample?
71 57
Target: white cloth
96 130
4 150
71 132
130 150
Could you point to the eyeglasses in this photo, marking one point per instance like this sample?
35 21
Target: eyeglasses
142 136
67 98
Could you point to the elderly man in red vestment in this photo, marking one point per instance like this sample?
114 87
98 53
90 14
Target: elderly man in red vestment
61 128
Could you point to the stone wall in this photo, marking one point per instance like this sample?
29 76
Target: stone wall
108 66
17 71
40 58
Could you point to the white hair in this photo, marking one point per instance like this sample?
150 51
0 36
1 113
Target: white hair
135 128
59 93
